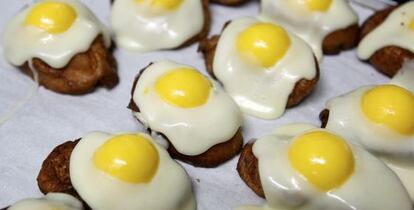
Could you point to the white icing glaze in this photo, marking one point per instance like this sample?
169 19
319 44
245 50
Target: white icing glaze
139 27
393 31
405 76
50 201
22 43
313 27
103 192
347 119
286 189
192 131
261 92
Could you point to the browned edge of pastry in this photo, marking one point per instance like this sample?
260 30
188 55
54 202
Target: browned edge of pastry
324 117
248 168
82 74
387 60
302 88
229 2
213 157
340 40
54 174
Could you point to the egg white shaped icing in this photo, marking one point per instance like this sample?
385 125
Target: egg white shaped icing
140 27
170 188
59 201
286 189
192 131
394 31
261 92
347 119
23 42
311 26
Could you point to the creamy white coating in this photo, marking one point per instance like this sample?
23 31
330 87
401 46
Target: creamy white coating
311 26
261 92
192 131
141 27
347 119
286 189
405 76
50 201
23 42
394 31
169 189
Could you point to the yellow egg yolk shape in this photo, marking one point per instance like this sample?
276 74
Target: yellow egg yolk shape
263 44
130 158
323 158
183 87
391 106
318 5
164 4
412 24
53 17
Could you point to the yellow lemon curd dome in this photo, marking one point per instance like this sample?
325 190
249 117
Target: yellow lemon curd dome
164 4
391 106
130 158
263 44
183 87
53 17
323 158
318 5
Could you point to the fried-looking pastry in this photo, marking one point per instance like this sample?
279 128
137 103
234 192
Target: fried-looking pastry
329 26
129 169
245 70
62 42
149 25
300 166
381 119
387 38
199 121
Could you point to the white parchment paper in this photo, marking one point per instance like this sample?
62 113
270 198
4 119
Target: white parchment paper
49 119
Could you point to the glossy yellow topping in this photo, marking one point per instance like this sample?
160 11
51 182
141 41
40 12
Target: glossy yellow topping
264 44
183 87
164 4
412 24
53 17
319 5
324 159
391 106
130 158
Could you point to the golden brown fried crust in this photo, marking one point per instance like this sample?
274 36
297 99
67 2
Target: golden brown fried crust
302 88
387 60
248 168
213 157
54 173
324 117
82 74
341 40
229 2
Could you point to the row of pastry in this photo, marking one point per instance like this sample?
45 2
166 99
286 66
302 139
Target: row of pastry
266 63
362 152
193 119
